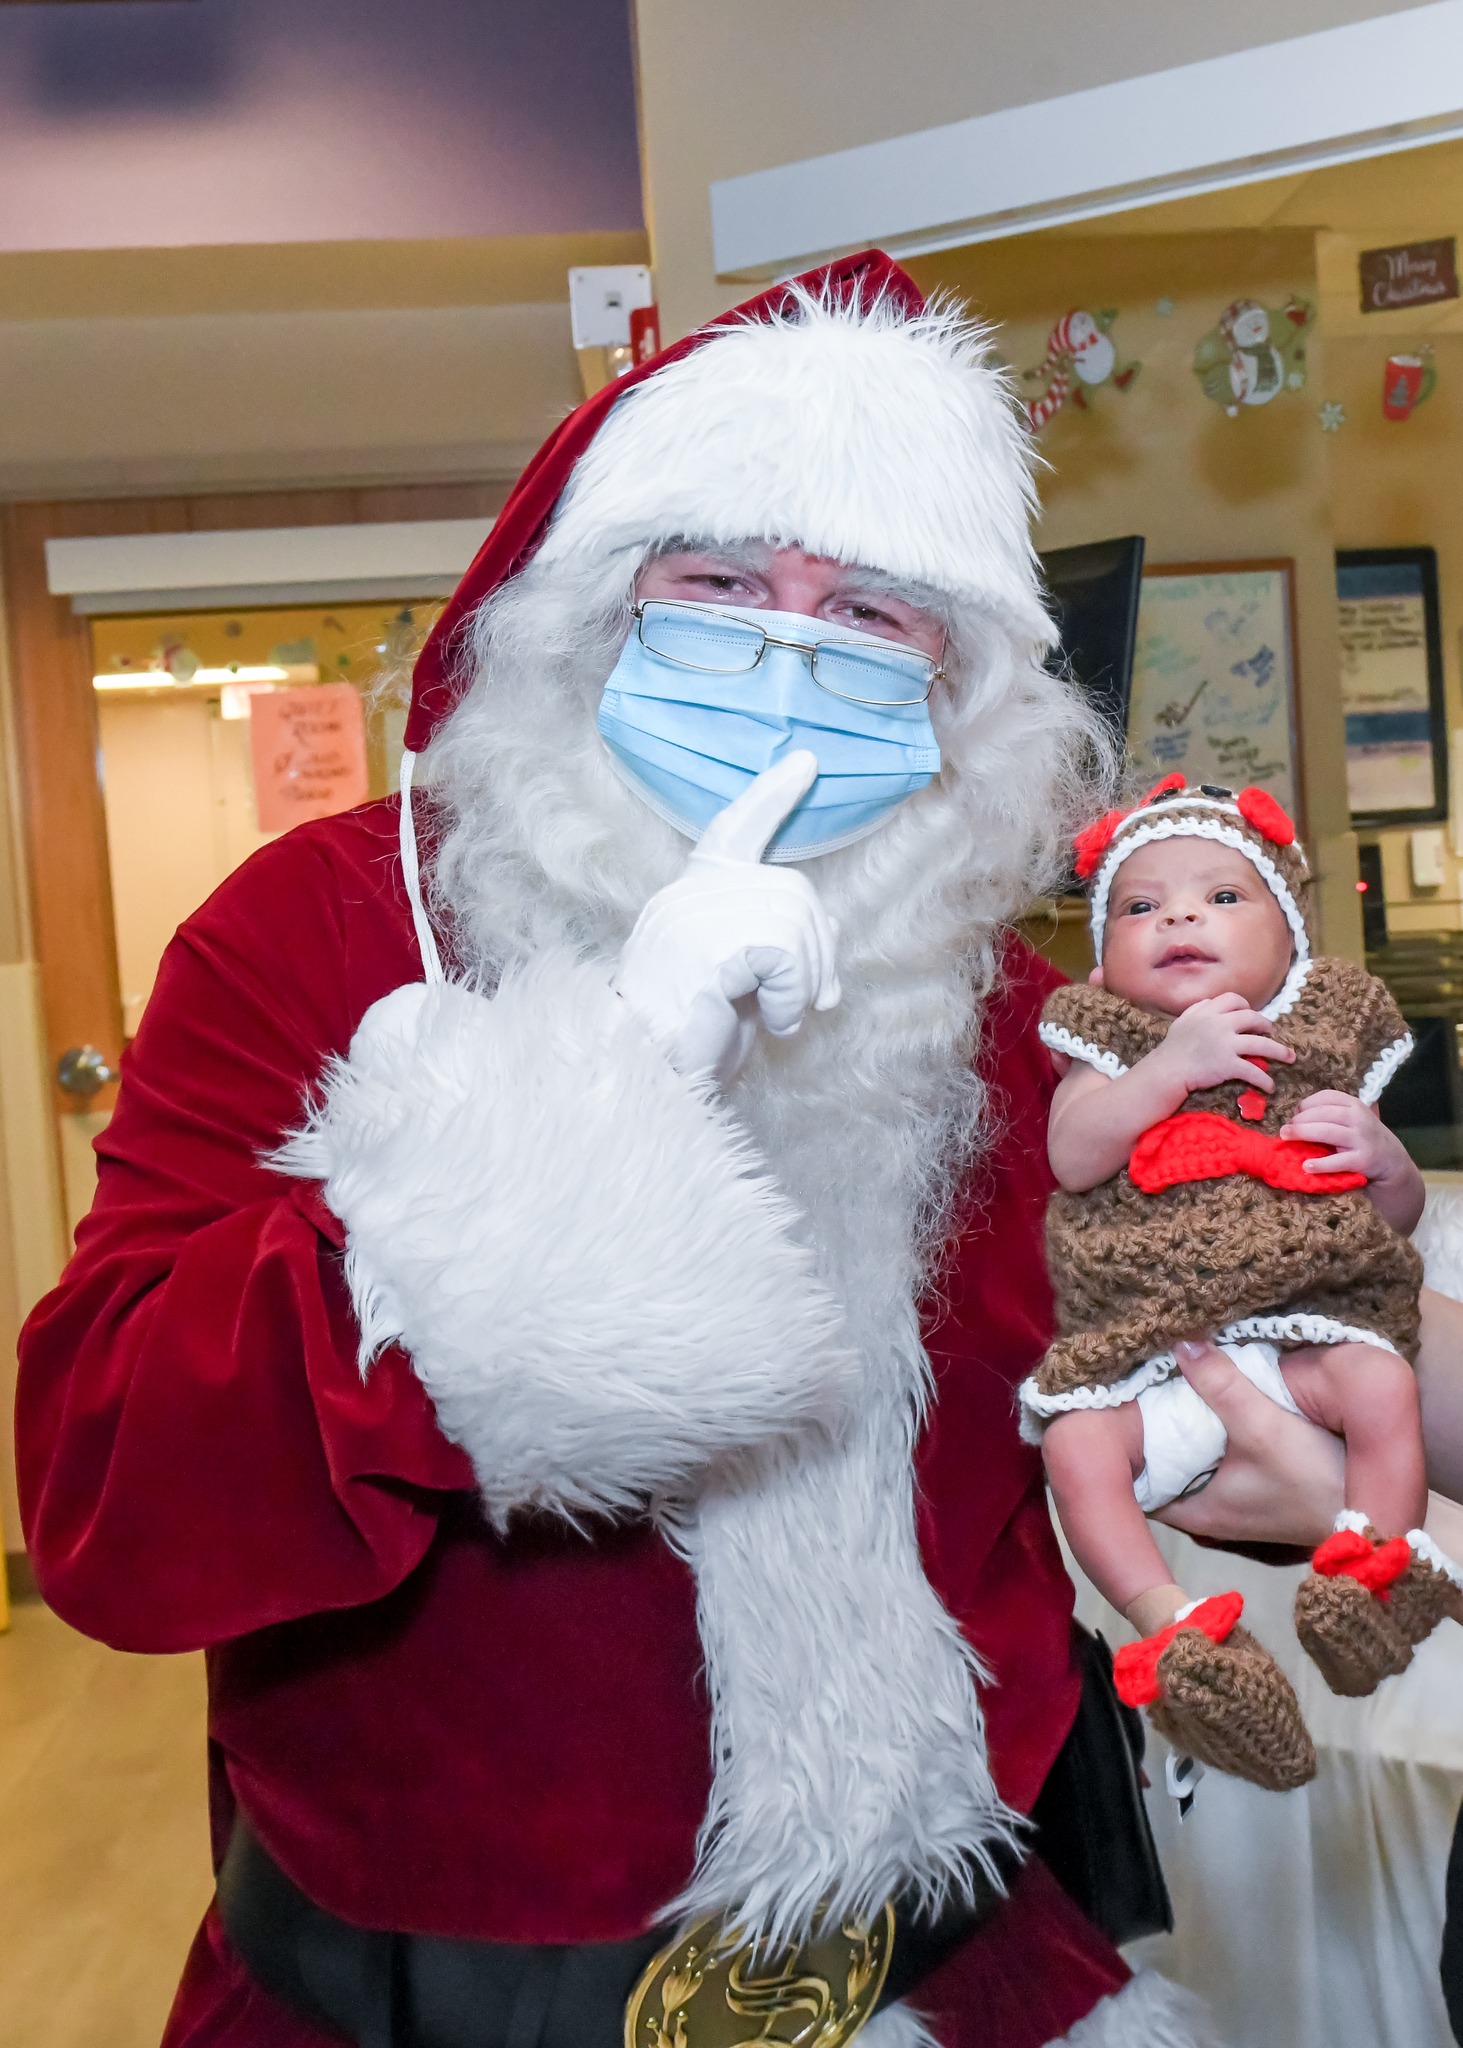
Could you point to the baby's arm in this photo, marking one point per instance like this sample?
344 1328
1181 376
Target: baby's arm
1092 1457
1363 1145
1095 1122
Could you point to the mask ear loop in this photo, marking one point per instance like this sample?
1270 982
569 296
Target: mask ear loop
412 876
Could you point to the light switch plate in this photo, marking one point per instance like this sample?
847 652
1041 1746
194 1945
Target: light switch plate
1428 854
601 300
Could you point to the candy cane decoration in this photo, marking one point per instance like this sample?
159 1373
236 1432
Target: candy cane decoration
1040 410
1056 366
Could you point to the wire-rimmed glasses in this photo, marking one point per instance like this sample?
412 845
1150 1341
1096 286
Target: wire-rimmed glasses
875 673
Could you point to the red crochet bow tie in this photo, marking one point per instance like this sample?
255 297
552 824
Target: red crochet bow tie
1198 1145
1135 1667
1350 1555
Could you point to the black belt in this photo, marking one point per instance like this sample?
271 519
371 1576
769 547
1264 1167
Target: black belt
385 1990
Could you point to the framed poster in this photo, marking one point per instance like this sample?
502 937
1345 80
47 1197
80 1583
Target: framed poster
1392 686
1214 677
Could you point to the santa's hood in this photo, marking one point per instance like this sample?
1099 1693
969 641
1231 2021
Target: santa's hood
837 411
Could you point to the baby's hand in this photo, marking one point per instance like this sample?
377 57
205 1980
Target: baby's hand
1362 1142
1218 1040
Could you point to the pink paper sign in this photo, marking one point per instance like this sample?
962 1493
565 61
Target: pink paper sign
309 748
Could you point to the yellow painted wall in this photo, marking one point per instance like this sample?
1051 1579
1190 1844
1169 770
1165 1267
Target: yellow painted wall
1397 484
32 1226
729 89
1162 460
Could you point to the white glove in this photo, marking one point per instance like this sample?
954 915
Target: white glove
733 943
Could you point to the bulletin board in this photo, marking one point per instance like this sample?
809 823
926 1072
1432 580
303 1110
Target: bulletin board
1392 686
1214 677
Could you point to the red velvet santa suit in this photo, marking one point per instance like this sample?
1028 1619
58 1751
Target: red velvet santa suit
433 1726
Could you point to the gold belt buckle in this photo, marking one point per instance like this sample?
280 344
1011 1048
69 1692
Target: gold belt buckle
709 1990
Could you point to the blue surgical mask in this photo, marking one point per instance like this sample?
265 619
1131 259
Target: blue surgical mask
690 716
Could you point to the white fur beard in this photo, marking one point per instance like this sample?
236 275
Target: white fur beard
847 1740
846 1731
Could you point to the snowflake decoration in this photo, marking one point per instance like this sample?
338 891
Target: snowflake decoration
1164 308
1332 416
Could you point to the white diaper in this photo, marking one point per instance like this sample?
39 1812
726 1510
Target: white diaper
1183 1439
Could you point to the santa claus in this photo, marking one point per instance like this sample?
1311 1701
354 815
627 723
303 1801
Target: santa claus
565 1248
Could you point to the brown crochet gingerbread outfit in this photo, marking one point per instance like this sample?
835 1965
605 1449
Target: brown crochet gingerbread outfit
1134 1271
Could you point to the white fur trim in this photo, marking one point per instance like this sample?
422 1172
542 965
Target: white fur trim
866 436
1383 1067
898 2026
1439 1238
1423 1546
1037 1408
606 1301
596 1287
1149 2012
1057 1038
1167 821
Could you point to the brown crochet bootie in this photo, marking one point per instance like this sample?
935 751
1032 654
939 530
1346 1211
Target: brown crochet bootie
1216 1694
1430 1590
1346 1612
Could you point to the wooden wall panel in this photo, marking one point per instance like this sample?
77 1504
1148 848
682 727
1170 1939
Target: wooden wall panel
55 712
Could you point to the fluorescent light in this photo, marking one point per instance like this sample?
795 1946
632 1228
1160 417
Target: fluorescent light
158 679
234 698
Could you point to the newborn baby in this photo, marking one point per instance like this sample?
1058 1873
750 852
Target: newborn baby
1224 1174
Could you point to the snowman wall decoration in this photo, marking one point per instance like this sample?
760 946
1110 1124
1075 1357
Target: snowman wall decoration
1254 353
1079 356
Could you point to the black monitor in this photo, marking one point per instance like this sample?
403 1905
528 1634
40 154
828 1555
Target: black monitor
1094 591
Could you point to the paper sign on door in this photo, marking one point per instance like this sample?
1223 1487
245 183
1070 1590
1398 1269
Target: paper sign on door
309 748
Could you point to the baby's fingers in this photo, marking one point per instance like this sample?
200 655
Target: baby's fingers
1340 1161
1256 1076
1257 1048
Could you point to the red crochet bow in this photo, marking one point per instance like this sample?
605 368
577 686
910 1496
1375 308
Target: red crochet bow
1350 1555
1256 806
1198 1145
1135 1667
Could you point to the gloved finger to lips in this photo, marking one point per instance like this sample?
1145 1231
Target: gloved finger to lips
745 829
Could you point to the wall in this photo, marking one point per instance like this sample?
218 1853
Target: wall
32 1229
1396 484
279 397
313 120
1161 460
724 90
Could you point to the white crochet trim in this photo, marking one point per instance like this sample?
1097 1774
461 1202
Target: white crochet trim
1383 1067
1280 1005
1168 826
1301 1329
1350 1522
1057 1038
1423 1546
1038 1408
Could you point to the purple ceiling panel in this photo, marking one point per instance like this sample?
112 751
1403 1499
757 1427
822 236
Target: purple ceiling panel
155 125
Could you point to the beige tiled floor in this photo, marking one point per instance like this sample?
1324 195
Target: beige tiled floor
103 1843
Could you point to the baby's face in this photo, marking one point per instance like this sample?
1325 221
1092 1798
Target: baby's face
1188 919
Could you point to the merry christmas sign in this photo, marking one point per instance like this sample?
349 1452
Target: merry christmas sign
1408 274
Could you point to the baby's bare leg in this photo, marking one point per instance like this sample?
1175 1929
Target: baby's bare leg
1092 1456
1368 1397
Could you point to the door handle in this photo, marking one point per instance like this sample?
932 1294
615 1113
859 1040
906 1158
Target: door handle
82 1070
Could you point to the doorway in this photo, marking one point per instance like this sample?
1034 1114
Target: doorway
139 796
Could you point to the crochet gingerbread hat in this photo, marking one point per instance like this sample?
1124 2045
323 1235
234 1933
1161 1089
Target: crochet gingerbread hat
1250 821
